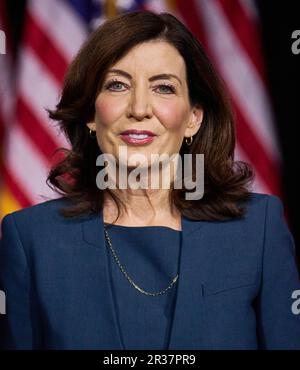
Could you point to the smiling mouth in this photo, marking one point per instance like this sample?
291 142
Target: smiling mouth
137 139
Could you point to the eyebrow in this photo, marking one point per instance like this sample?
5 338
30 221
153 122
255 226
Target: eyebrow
161 76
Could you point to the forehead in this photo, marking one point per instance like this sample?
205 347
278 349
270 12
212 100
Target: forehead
153 56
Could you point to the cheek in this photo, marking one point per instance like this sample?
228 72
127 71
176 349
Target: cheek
106 111
172 116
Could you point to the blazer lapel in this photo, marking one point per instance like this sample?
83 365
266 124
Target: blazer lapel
93 234
188 328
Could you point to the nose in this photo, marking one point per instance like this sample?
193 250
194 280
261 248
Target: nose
139 105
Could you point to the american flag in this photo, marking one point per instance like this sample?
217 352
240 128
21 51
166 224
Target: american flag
54 31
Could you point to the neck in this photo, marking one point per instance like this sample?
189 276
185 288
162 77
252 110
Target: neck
142 207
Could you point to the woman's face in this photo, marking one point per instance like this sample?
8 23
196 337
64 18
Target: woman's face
134 97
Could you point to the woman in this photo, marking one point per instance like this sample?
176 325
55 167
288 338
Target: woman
148 268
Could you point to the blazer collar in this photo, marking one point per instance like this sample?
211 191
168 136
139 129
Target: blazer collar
187 330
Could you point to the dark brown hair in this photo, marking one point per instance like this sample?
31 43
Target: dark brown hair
226 181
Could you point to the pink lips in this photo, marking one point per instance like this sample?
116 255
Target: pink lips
125 136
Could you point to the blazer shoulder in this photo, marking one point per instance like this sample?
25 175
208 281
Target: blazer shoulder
265 213
257 198
44 213
259 208
258 203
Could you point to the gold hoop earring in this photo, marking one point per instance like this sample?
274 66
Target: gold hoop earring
91 133
189 140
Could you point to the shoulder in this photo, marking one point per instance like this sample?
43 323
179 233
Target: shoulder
263 213
262 206
259 201
262 218
265 216
43 218
48 211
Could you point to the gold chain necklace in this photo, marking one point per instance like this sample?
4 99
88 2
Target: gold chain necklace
129 278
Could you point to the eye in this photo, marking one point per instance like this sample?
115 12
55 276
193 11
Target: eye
169 89
114 83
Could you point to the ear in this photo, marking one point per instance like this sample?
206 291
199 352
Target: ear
195 121
91 126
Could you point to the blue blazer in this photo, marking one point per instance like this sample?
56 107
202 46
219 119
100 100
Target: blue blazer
235 289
